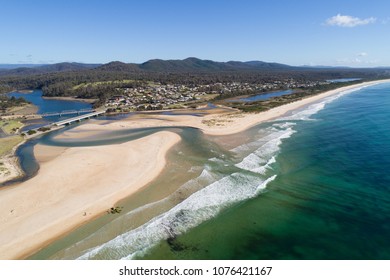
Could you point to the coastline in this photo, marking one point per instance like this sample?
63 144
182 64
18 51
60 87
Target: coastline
60 197
213 124
55 213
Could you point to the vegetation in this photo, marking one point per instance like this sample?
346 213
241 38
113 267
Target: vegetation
7 103
8 143
10 126
264 105
31 132
43 129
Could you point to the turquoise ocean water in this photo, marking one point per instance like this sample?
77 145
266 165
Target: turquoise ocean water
313 184
330 199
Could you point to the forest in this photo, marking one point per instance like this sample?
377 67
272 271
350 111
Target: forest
103 81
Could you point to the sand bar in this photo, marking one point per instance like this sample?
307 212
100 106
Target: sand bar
73 186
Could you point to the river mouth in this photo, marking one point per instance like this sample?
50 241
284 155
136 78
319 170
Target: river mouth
275 181
198 163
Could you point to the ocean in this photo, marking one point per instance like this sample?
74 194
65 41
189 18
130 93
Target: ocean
313 184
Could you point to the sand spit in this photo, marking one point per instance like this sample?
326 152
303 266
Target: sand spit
73 186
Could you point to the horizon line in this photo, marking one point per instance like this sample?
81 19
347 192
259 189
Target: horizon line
102 63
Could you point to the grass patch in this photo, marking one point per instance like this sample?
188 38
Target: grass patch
94 84
208 97
10 126
8 143
175 106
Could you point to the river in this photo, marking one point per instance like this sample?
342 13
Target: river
44 105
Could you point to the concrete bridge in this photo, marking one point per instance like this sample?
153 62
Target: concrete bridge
79 118
67 112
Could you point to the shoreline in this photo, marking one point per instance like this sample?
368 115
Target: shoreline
60 197
21 112
217 124
56 161
11 163
10 160
249 120
69 98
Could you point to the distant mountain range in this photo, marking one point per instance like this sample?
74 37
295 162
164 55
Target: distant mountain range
13 66
193 64
29 69
189 65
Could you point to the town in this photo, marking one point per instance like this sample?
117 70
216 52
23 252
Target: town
157 96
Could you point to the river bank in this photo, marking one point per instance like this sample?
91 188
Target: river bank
25 116
73 186
69 98
9 163
10 140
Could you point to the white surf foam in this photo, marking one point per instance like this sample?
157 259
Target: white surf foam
219 194
204 179
263 157
265 135
199 207
304 114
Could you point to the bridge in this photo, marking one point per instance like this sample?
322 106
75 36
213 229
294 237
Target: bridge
67 112
79 118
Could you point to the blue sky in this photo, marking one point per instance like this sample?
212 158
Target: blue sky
343 32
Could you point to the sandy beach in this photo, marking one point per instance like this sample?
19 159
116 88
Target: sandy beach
75 185
212 124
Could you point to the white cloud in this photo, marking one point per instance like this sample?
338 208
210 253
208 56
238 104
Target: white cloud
348 21
362 54
356 62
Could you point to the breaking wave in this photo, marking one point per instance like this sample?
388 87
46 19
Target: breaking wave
212 191
304 114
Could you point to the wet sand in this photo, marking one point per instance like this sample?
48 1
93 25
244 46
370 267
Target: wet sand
73 186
